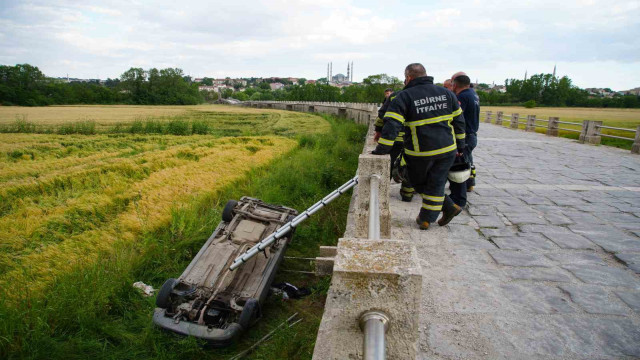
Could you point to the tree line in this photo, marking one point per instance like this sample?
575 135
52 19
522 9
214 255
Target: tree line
547 90
26 85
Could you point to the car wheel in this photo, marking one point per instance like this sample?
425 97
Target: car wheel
227 212
163 300
249 311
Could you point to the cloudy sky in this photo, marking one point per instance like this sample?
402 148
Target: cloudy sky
595 43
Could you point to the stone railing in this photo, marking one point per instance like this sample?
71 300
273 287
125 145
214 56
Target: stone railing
590 130
358 112
375 278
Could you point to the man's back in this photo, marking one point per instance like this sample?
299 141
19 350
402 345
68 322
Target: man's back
470 104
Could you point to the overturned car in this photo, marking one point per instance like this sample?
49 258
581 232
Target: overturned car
210 300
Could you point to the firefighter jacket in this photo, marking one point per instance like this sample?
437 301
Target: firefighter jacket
379 123
431 118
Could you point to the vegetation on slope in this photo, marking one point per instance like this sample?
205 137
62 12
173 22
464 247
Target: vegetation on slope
91 310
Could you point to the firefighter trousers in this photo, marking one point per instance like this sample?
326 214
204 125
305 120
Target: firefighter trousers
429 177
406 190
459 191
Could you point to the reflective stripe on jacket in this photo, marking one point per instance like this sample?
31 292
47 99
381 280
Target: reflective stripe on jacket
429 115
379 123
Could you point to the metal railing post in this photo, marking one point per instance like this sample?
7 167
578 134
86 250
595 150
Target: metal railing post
374 208
374 324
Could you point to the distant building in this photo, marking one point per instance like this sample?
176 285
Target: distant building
635 91
276 86
310 82
339 78
208 88
600 92
499 88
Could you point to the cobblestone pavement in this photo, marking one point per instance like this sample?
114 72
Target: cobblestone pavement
544 263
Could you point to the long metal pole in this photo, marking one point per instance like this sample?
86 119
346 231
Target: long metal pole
374 324
374 208
292 224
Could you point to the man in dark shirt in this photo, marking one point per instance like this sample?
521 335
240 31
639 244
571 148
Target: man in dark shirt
470 104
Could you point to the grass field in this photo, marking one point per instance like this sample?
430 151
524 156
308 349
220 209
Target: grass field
83 216
622 118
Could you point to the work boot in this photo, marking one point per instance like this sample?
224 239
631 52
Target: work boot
406 198
424 225
448 216
469 188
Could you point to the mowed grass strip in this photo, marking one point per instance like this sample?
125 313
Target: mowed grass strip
92 310
622 118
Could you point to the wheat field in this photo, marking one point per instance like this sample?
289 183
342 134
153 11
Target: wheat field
66 198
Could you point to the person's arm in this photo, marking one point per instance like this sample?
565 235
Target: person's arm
459 126
393 124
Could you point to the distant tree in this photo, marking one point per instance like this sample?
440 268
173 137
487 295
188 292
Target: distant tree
207 81
301 81
264 86
226 93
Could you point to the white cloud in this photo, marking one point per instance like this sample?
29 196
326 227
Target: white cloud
279 37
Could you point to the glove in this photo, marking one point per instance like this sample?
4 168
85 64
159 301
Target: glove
376 136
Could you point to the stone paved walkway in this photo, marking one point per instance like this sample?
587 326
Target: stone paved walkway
544 263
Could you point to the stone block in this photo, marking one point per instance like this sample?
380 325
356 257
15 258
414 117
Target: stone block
569 240
489 221
371 274
604 275
576 258
595 300
519 258
526 242
324 266
538 274
369 165
630 298
328 251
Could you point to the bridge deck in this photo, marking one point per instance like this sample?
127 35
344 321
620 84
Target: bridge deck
545 261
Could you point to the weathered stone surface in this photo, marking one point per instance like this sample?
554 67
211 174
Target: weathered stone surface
630 298
489 221
522 219
491 233
538 274
519 258
595 300
371 274
604 275
569 240
525 242
576 258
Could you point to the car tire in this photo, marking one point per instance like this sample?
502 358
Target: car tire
163 300
249 310
227 212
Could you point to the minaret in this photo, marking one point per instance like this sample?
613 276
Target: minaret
348 71
331 71
525 75
328 73
554 71
351 72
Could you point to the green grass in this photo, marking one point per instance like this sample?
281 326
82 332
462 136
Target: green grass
94 312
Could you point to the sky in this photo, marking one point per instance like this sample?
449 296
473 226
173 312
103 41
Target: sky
595 43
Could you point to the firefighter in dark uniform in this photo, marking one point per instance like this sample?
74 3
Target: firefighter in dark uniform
406 190
470 104
434 135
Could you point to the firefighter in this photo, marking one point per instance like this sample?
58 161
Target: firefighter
470 104
447 84
434 135
406 190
